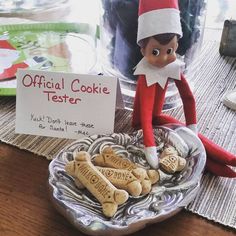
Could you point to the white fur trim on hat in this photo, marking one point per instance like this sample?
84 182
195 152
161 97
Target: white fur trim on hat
159 21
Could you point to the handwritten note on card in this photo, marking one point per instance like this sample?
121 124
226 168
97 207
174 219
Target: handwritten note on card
63 104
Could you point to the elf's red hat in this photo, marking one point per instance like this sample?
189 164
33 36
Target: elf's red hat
158 17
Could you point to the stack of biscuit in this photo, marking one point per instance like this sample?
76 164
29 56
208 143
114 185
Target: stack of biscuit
110 178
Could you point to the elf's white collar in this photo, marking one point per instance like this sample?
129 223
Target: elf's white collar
154 74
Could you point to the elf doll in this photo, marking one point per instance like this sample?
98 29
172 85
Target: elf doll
159 29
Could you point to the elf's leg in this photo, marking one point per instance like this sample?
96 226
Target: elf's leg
219 169
215 154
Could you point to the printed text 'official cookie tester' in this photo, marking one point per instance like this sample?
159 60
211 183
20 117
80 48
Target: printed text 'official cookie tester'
52 89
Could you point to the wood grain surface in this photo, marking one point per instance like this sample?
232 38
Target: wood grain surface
26 209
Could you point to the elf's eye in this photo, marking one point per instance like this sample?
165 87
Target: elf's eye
155 52
170 51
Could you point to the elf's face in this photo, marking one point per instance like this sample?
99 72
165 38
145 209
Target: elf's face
160 55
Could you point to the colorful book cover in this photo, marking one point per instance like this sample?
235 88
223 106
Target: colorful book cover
66 47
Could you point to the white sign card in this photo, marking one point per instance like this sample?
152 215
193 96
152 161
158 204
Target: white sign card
64 105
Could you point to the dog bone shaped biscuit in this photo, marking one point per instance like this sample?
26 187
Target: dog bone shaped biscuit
147 178
122 179
172 163
108 195
108 158
131 181
168 150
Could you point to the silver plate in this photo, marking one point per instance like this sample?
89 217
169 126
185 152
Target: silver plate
167 197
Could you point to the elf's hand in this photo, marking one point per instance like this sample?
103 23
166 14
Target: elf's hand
151 156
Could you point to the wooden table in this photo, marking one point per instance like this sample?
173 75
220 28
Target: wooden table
26 210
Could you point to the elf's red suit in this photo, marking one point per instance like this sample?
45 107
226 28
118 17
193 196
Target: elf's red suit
148 111
159 29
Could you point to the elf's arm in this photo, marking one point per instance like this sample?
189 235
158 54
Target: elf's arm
143 107
146 101
188 103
